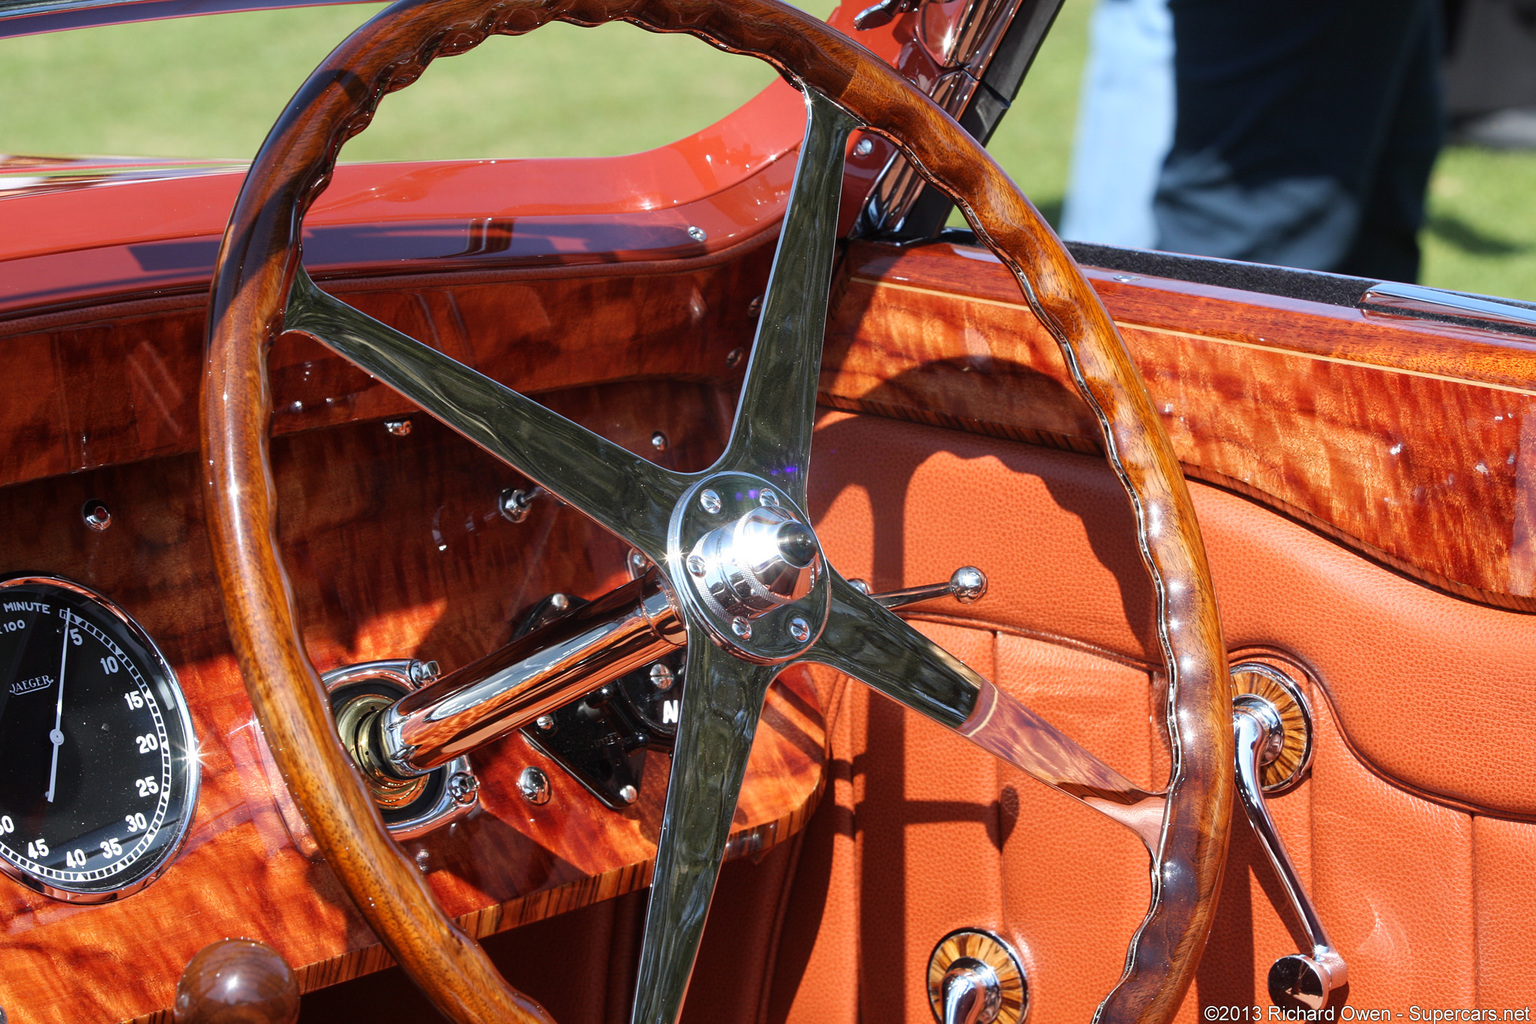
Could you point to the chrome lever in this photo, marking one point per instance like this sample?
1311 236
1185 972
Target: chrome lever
1302 980
965 584
971 993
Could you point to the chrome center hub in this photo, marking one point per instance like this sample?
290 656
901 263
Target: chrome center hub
753 568
765 559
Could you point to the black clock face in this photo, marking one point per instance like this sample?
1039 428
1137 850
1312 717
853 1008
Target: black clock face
98 762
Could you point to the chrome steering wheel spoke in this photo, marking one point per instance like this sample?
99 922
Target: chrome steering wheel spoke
624 493
771 436
721 706
865 640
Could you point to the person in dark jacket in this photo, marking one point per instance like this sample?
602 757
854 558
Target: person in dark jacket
1305 132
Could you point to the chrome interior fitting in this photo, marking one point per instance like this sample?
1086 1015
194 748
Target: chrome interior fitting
1272 731
974 977
756 563
411 806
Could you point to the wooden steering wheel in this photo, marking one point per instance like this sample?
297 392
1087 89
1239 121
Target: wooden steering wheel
747 577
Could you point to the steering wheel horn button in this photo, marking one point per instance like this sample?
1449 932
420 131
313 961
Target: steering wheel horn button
757 579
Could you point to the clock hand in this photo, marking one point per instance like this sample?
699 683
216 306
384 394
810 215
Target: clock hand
56 737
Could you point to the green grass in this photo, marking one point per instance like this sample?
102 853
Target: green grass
1481 235
211 87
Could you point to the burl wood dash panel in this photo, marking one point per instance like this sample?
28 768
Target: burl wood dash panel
119 382
1412 442
396 548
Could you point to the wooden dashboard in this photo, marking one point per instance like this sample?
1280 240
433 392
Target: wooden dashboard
398 548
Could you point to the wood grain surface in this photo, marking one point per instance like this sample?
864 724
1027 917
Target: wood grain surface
237 981
1293 404
1407 440
396 549
118 383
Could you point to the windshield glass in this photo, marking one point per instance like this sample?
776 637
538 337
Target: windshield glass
211 87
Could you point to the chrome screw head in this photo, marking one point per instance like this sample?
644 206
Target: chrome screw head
734 357
710 501
661 677
799 629
767 497
515 502
545 723
534 785
741 627
865 147
755 307
697 565
637 563
697 233
659 441
558 602
423 672
399 428
462 786
96 515
628 794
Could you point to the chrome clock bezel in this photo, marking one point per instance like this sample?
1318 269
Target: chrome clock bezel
158 663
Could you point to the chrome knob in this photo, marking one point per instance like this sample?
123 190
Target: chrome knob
1299 982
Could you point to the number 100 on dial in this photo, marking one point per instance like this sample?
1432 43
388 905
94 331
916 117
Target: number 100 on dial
98 761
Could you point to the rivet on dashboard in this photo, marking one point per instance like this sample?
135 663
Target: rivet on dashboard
741 627
424 672
710 501
767 497
659 441
697 565
799 629
399 428
661 677
754 310
98 517
629 794
546 723
515 502
865 147
697 233
734 357
534 785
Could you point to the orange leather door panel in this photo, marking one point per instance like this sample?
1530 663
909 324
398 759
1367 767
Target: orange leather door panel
1411 830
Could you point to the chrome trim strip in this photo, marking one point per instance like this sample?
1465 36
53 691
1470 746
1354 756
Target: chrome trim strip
1433 302
31 17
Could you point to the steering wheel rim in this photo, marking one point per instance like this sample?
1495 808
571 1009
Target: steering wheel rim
261 290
